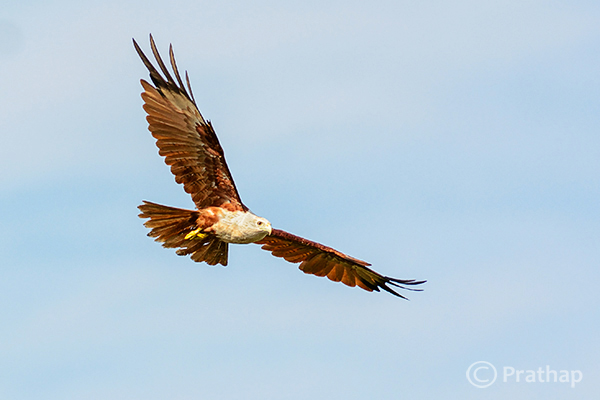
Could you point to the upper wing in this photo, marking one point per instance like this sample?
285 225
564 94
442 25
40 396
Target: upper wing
321 260
188 142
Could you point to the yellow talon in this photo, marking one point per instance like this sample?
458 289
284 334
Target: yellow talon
195 233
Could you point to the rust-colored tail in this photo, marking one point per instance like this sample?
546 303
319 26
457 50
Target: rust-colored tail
175 227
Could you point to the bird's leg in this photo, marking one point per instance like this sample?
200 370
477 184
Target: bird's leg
195 232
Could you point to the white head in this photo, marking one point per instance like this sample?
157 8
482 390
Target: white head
256 225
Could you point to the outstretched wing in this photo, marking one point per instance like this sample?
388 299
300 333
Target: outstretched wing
321 260
188 142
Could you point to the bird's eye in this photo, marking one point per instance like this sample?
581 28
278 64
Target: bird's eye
259 223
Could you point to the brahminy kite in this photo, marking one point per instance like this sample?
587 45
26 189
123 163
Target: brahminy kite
190 146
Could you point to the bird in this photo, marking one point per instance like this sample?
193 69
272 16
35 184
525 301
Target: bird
191 148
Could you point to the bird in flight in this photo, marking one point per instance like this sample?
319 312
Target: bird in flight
191 148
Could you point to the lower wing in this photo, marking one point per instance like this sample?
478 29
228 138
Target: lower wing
321 260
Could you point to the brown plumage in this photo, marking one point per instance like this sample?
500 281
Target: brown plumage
192 150
188 143
320 260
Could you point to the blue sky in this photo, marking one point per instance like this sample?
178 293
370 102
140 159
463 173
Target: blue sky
456 142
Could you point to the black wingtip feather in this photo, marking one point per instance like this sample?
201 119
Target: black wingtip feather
187 78
392 291
174 66
160 62
155 76
400 284
159 81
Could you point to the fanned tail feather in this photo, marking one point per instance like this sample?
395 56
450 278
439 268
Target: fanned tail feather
171 225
